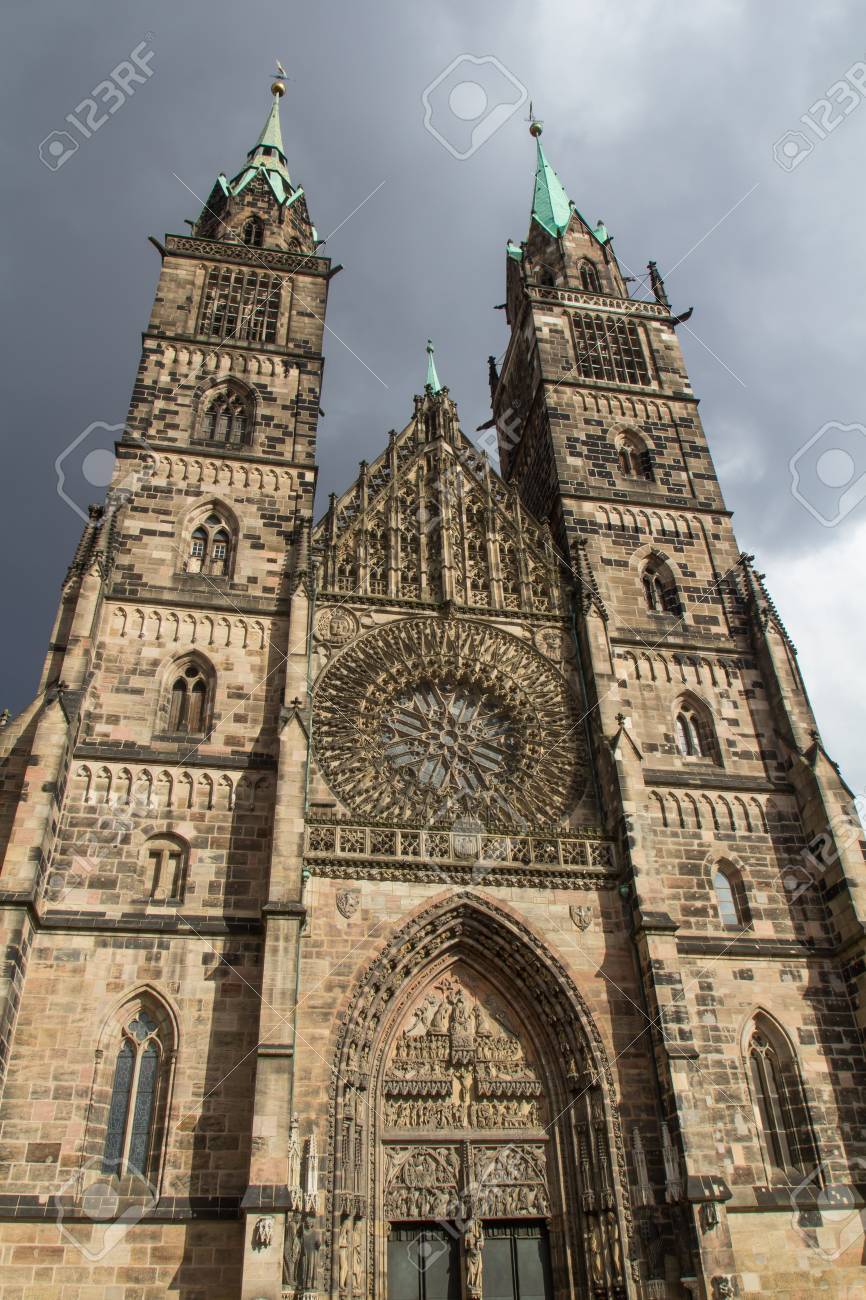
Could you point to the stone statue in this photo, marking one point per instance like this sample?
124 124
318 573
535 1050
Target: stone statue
291 1254
358 1259
343 1250
263 1232
473 1241
312 1243
294 1174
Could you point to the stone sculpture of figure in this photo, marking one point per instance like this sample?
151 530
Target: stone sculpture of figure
291 1254
294 1178
358 1259
460 1019
439 1023
263 1232
344 1253
312 1245
658 285
473 1240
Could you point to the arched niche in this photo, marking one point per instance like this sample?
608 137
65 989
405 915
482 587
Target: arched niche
471 1089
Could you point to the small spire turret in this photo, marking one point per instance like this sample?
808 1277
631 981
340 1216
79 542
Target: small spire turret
432 383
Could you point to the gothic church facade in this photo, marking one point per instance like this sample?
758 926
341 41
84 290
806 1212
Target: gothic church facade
452 897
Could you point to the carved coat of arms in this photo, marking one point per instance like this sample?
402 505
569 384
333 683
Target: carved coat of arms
581 915
348 901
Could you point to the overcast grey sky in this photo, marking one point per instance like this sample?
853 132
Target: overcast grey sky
659 117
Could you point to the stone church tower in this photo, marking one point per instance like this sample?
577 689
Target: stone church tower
448 899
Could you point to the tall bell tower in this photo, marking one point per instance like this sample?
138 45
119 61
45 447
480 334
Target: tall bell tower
742 853
141 845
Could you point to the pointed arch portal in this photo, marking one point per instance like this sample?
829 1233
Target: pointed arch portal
474 1133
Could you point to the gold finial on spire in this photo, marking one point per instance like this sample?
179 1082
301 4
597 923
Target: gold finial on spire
279 87
535 127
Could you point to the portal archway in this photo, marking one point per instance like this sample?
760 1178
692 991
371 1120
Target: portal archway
473 1121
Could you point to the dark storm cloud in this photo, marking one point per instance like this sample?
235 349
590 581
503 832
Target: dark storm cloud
660 118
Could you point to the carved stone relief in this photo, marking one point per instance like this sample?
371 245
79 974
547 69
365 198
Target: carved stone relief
509 1181
421 1182
348 901
459 1064
581 915
336 626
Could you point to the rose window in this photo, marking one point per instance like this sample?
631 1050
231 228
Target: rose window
431 719
450 737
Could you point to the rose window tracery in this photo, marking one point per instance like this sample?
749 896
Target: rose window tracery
453 738
433 719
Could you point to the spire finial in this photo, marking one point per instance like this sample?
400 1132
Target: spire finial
432 381
535 124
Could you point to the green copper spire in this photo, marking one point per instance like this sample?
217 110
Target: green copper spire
551 206
267 156
432 378
272 135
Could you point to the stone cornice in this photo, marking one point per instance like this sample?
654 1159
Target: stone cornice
193 757
708 777
212 599
265 259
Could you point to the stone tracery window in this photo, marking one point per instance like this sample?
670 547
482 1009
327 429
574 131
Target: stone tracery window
227 418
441 719
780 1106
241 305
694 731
190 698
609 349
659 588
456 739
137 1089
633 457
210 547
589 280
253 232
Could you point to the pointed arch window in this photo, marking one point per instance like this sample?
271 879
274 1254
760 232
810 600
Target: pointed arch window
730 897
782 1115
228 418
694 732
633 458
589 280
189 700
210 547
134 1095
660 588
253 232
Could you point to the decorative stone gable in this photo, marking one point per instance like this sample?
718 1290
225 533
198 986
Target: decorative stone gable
429 521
